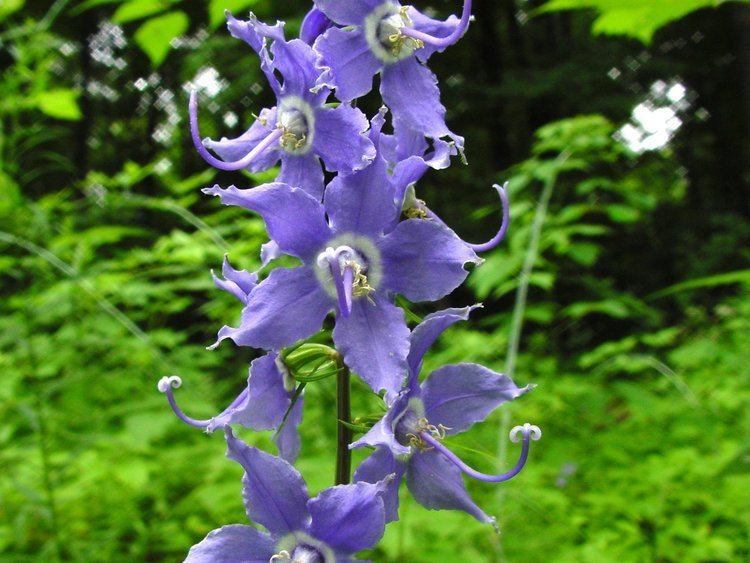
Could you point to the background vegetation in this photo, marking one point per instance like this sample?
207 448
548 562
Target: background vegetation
624 133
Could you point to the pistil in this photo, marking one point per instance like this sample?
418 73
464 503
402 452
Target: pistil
441 42
266 144
166 386
529 432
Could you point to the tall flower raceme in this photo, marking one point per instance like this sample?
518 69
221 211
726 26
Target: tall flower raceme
361 240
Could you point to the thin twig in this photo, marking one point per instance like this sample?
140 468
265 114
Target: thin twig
516 327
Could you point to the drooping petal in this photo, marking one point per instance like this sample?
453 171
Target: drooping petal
296 61
254 33
457 396
287 306
374 342
346 12
340 139
436 28
265 402
233 544
294 219
427 332
376 468
274 493
424 261
232 150
314 24
349 62
411 92
236 282
287 439
362 202
349 518
303 171
437 484
382 433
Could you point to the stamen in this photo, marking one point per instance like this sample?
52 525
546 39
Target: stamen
461 28
268 142
282 555
529 431
165 385
360 284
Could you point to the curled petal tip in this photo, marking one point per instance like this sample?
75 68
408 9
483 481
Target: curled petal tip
526 430
165 383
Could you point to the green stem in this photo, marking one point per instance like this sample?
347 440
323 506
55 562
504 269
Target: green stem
516 325
344 434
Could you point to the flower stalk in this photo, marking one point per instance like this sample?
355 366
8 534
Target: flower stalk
344 432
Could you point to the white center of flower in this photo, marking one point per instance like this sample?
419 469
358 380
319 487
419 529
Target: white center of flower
382 28
297 119
359 254
298 547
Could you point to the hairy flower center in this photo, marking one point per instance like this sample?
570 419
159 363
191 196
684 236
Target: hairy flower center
296 119
351 264
382 29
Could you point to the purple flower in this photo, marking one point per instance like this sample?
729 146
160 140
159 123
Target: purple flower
355 255
300 130
382 36
451 400
270 400
333 526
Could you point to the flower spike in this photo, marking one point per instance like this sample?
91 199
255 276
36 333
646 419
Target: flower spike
529 431
166 385
266 144
441 42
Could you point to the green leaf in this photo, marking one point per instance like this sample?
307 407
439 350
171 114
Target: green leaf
622 213
155 36
216 9
9 7
728 278
636 18
60 103
138 9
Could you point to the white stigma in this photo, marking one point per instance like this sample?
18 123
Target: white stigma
331 254
527 428
165 383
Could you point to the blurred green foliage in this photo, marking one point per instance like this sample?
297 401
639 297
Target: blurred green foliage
636 325
635 18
